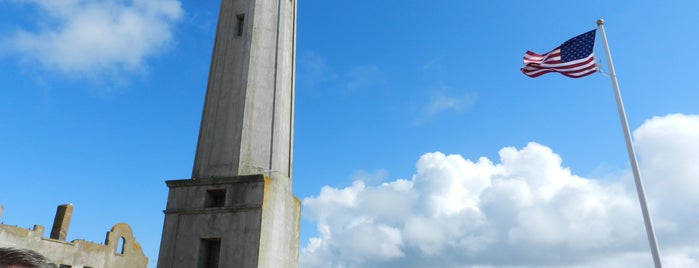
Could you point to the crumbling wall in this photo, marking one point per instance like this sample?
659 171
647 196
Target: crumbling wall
119 250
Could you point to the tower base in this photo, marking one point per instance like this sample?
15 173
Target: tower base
242 221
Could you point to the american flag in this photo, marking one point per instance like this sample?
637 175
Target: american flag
574 58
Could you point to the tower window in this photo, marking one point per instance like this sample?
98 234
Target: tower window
241 24
215 198
209 251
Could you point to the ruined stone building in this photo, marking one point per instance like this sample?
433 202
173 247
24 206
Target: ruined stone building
120 249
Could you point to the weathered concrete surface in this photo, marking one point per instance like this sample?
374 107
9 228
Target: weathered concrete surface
281 214
79 253
61 222
187 221
244 149
247 122
257 224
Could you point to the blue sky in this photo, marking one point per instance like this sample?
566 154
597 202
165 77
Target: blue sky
411 117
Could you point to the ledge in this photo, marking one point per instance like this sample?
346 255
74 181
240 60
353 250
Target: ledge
215 181
213 210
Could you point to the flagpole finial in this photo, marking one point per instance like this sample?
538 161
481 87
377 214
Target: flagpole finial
600 22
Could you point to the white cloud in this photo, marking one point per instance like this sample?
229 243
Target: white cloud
312 69
668 149
371 178
85 37
441 103
361 77
314 72
434 63
526 211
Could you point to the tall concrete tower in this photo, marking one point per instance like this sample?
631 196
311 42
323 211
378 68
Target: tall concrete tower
237 210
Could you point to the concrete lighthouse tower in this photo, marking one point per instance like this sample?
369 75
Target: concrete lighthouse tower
237 210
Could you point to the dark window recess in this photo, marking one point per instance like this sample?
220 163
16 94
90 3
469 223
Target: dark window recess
64 266
215 198
209 251
241 24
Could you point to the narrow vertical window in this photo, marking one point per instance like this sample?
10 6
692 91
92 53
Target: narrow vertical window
209 250
241 24
120 246
215 198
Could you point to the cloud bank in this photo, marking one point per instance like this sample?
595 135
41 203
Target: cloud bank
525 211
85 37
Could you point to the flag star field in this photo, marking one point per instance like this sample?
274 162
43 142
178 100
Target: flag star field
578 47
575 58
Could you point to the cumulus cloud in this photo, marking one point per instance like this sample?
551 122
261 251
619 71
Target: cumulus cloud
525 211
86 37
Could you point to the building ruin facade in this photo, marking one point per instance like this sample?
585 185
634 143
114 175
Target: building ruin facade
119 250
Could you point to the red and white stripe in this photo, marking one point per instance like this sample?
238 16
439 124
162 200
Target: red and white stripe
537 64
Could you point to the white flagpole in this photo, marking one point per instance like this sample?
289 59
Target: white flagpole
632 155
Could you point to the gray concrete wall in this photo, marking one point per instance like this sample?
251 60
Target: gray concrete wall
279 237
236 223
79 253
247 122
270 88
257 224
220 131
246 129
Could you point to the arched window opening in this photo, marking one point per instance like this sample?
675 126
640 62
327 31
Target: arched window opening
120 245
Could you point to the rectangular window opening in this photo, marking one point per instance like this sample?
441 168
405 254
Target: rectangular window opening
215 198
209 251
241 24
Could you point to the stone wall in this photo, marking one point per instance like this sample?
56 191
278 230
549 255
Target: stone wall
119 250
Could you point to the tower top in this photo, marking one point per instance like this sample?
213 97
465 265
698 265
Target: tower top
247 123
